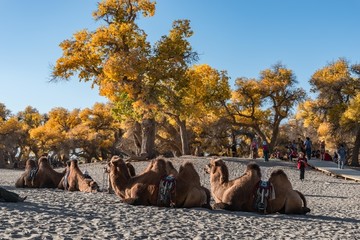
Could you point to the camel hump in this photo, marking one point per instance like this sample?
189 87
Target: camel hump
278 172
188 166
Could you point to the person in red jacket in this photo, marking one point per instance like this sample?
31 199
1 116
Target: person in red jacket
301 165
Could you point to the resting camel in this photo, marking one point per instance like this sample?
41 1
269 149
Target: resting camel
188 190
64 184
8 196
46 177
77 181
236 194
286 200
43 176
131 171
141 189
25 180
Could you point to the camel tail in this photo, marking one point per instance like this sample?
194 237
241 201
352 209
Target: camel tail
304 208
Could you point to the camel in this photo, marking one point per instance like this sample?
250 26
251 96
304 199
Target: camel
131 171
46 176
76 180
40 176
141 189
287 200
188 191
236 194
64 184
8 196
25 180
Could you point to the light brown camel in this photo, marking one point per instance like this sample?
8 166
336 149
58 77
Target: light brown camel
64 184
77 181
286 200
25 180
141 189
236 194
188 191
131 171
46 176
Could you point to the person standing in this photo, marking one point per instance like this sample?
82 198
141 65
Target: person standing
265 148
300 145
254 148
322 149
308 146
301 165
342 156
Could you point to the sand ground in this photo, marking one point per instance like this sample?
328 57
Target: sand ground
56 214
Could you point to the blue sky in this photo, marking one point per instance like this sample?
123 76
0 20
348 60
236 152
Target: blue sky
241 37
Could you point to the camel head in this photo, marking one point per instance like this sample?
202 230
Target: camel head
74 164
213 165
170 169
94 187
218 167
158 165
30 164
117 166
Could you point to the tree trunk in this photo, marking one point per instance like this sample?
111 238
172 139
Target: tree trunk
185 148
233 144
355 151
137 137
148 138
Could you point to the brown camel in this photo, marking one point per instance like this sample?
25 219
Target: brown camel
25 180
131 171
46 176
64 184
43 176
236 194
188 191
286 199
138 190
77 181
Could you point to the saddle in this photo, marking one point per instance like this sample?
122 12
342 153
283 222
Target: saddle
32 174
166 190
264 191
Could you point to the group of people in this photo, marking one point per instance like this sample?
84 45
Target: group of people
303 151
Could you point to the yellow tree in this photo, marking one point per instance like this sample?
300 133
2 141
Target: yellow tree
261 105
337 86
118 58
11 137
201 89
30 118
98 133
52 136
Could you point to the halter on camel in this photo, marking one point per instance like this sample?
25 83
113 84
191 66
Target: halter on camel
166 189
264 191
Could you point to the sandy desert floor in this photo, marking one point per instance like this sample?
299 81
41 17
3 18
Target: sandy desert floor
57 214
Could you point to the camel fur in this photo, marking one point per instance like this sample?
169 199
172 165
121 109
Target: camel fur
287 200
45 177
77 181
236 194
188 191
25 180
141 189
